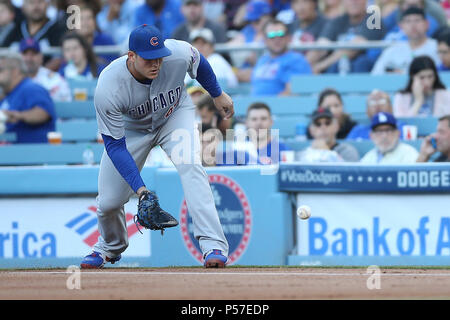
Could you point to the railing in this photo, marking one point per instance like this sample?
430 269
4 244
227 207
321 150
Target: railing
227 48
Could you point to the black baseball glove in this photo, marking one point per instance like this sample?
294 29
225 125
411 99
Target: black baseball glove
150 215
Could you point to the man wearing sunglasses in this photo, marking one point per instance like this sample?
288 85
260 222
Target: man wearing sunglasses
273 70
388 148
324 146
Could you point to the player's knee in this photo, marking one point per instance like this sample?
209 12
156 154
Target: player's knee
106 205
184 169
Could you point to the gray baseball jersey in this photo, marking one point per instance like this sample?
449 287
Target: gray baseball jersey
121 102
147 115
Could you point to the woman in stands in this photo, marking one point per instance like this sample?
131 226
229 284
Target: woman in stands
80 61
332 100
425 94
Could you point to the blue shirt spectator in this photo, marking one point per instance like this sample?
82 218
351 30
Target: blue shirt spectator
248 155
260 145
24 97
377 101
273 71
116 19
272 74
164 15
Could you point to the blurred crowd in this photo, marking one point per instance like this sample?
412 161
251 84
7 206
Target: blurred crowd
417 32
415 27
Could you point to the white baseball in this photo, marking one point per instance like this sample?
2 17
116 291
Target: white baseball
304 212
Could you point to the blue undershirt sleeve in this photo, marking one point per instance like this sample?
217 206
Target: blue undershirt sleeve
123 161
207 78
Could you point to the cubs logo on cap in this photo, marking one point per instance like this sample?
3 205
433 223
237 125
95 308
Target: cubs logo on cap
148 43
154 41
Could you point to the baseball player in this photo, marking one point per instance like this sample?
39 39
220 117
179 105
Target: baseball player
140 100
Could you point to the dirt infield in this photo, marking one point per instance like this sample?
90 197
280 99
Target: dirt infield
228 284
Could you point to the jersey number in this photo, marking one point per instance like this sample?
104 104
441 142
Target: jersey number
169 112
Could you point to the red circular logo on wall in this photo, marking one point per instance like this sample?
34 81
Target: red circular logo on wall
234 214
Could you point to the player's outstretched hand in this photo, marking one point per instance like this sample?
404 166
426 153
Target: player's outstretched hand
224 104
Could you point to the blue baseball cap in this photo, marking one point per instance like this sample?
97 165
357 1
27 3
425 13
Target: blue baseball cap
148 42
257 9
383 118
29 43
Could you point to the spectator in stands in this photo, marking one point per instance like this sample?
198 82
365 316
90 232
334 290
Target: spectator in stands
257 13
332 100
433 12
216 11
62 7
331 8
210 140
324 145
443 40
273 70
80 61
6 23
377 101
399 55
437 142
209 115
260 145
37 26
116 19
387 7
28 105
308 21
354 26
195 19
388 148
203 40
425 94
163 14
307 25
235 14
55 84
90 31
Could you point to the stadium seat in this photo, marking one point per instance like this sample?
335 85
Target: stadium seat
77 130
353 83
425 125
75 109
87 85
43 153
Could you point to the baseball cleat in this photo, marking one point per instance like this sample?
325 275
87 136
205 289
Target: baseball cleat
96 261
215 259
